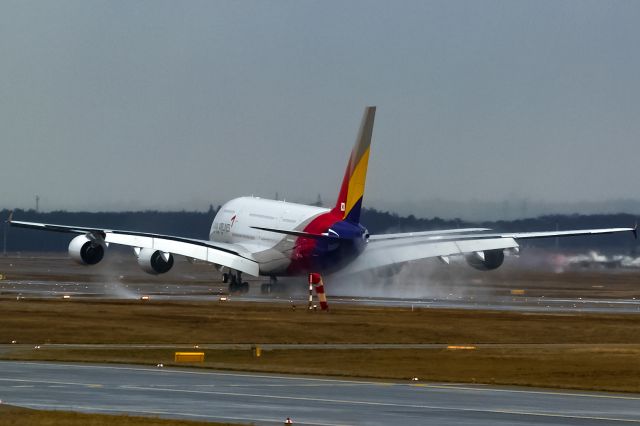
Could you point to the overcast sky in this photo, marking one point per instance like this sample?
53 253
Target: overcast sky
108 105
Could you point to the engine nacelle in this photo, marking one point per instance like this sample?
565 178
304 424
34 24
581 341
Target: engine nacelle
492 260
154 261
86 251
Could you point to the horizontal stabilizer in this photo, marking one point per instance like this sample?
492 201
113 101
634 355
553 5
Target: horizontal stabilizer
298 233
426 234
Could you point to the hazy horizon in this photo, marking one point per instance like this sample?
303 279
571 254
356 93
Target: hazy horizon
470 210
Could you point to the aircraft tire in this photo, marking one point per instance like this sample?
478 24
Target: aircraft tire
266 288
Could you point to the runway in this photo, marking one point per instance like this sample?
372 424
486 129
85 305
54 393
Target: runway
195 292
268 399
457 287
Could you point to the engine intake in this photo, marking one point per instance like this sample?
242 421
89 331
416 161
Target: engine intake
155 261
492 260
86 251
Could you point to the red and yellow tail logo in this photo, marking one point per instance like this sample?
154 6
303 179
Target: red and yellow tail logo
352 190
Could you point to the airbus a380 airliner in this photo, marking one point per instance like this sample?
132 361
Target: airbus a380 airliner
274 238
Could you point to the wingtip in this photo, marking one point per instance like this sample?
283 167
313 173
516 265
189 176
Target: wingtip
635 230
10 218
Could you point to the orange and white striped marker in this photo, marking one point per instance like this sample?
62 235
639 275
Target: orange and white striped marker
315 279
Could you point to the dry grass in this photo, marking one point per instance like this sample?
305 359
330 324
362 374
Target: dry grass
16 416
56 321
572 350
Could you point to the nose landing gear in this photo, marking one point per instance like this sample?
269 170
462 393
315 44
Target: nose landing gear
267 288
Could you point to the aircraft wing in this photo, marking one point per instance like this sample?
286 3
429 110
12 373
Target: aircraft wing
389 249
229 255
572 233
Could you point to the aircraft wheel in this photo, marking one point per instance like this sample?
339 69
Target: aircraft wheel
244 288
225 278
266 288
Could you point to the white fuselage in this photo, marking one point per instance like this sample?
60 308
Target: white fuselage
234 221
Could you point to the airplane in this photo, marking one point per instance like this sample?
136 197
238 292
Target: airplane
272 238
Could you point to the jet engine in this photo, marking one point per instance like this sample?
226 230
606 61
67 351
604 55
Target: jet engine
486 260
155 261
86 251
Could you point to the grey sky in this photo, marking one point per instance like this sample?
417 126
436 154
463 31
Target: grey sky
149 104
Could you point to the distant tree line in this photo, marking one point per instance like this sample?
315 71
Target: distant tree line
197 224
379 222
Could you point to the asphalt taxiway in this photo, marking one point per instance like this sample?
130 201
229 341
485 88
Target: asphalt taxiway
265 399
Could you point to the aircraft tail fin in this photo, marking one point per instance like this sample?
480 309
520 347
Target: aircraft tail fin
349 201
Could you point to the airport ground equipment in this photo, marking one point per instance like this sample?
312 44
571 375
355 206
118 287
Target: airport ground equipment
189 357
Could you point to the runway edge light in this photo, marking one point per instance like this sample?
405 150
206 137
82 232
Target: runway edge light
256 351
461 348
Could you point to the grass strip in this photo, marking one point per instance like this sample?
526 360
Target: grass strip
75 321
18 416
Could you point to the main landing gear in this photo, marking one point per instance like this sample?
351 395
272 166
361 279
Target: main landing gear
267 288
235 282
236 285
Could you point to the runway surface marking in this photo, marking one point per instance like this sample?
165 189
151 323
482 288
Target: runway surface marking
356 402
478 388
49 382
326 400
200 373
383 404
559 393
